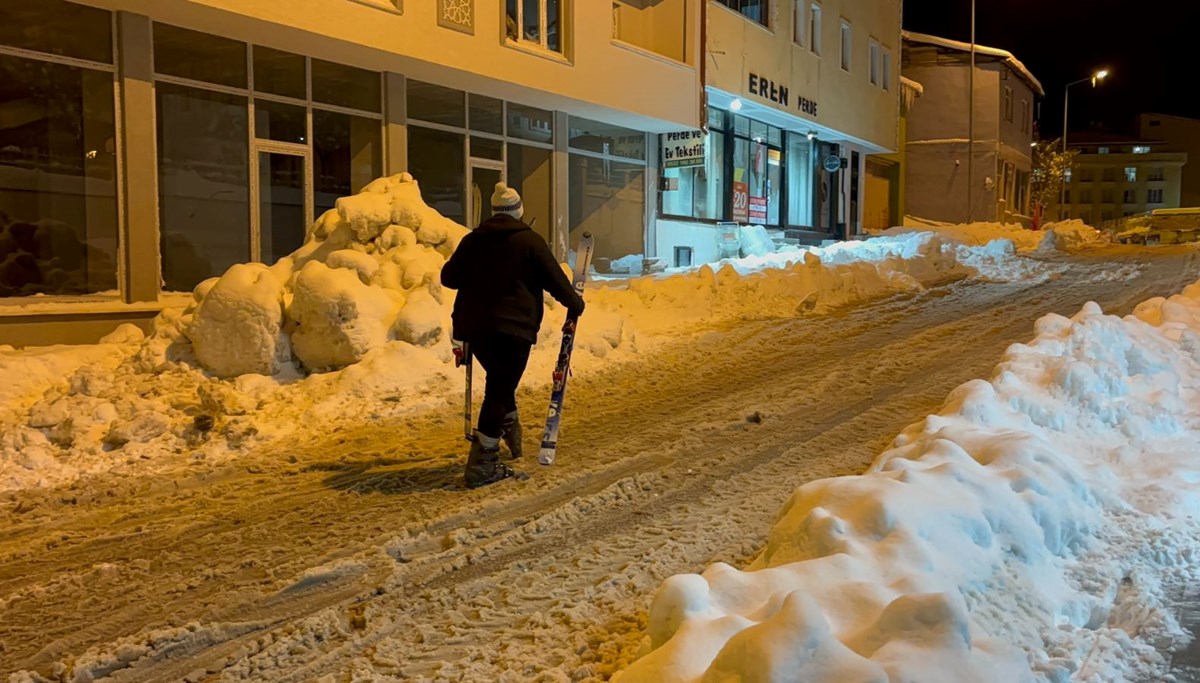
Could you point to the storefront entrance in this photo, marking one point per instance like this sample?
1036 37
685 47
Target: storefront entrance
282 200
484 176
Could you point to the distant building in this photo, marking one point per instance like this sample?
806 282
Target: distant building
936 157
884 188
1180 135
1116 176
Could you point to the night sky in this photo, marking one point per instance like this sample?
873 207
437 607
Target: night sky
1152 48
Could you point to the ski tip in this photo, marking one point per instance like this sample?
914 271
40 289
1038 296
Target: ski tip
546 456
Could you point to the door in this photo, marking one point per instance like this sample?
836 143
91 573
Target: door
484 176
282 201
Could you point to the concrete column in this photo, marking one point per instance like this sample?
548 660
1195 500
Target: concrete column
561 193
139 159
395 124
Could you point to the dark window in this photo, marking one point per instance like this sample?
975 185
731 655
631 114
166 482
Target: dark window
199 56
58 206
435 158
487 114
282 122
435 104
279 73
530 123
57 28
487 148
603 138
753 9
347 154
203 176
346 86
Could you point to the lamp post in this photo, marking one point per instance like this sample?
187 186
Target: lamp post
1096 79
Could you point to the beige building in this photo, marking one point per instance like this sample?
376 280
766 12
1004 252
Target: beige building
146 145
944 180
1114 177
1179 134
799 93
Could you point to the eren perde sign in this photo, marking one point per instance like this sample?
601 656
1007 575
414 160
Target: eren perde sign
768 90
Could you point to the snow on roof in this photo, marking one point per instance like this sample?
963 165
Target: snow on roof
1004 55
912 85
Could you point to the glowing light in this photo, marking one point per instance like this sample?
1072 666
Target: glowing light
735 105
812 135
1101 74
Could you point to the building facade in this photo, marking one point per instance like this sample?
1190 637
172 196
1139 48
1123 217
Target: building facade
938 153
799 93
1113 177
146 145
1179 135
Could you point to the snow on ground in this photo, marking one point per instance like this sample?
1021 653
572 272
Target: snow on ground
1027 532
354 324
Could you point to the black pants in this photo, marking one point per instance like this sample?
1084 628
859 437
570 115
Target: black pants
503 358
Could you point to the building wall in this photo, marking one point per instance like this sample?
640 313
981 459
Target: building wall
594 78
938 131
1181 135
848 106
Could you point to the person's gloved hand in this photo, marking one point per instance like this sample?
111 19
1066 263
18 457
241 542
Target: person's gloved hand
576 309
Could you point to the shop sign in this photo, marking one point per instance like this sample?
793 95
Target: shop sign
683 149
741 202
758 208
779 94
832 163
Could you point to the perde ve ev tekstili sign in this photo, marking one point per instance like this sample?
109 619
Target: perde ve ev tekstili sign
683 149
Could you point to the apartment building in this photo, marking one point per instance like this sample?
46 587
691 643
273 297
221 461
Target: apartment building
1114 176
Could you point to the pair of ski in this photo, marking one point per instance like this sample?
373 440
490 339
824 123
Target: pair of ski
562 369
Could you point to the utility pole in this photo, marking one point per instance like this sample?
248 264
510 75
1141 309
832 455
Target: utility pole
971 126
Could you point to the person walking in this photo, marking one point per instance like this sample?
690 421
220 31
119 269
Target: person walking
501 271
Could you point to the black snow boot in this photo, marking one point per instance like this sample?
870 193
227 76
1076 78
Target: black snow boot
512 434
483 462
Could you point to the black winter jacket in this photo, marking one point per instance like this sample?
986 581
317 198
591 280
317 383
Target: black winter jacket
501 270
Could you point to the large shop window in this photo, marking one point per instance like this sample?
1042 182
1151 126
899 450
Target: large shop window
58 207
699 190
608 199
203 183
800 180
753 9
435 158
758 164
326 115
529 172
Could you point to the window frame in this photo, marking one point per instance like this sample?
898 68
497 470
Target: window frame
875 58
541 45
815 19
885 70
764 22
799 22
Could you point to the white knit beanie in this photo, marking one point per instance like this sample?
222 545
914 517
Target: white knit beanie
506 200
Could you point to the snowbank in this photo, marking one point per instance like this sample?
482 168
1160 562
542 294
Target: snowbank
1021 534
1069 235
355 323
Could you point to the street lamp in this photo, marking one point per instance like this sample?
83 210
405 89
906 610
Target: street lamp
1096 79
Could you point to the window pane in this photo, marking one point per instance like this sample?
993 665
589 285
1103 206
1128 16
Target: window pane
608 199
758 131
203 181
58 208
531 20
741 125
280 204
800 181
347 155
774 185
716 119
59 28
345 86
435 158
487 114
487 148
553 32
282 122
199 56
433 103
279 73
529 171
606 139
530 123
510 19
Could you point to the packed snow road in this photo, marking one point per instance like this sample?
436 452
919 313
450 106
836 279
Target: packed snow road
361 556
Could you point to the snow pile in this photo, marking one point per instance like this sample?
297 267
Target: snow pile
1069 235
337 297
1021 534
755 240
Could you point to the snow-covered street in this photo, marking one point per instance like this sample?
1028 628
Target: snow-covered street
360 555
